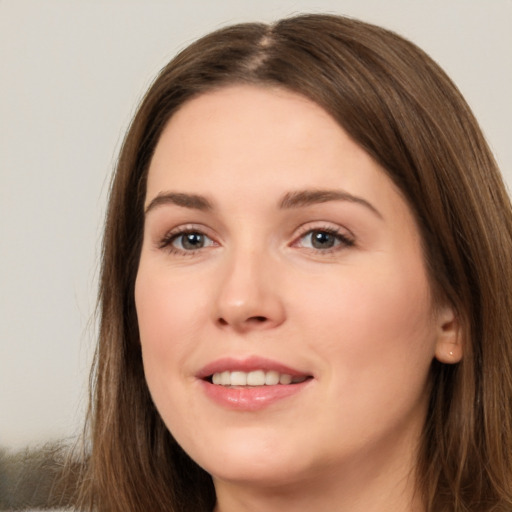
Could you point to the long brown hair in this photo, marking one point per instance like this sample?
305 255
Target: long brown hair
397 104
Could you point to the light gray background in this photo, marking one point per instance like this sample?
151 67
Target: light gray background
71 74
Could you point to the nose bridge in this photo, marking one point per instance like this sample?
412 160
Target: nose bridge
248 295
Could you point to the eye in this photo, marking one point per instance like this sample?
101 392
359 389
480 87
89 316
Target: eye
190 241
186 241
325 239
321 239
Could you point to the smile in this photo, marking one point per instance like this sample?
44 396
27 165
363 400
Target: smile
255 378
251 384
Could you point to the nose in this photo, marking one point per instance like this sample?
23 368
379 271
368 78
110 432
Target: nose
249 297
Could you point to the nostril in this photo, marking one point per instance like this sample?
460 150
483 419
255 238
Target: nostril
257 319
250 320
253 321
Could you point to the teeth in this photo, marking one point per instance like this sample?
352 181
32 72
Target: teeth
254 378
238 379
285 379
272 378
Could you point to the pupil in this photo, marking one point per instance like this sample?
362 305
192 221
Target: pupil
322 240
193 241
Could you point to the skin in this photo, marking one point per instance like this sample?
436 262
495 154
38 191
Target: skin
357 317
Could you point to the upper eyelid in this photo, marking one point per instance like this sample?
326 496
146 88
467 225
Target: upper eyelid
322 225
187 228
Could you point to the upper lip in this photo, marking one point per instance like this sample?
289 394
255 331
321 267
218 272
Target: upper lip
247 364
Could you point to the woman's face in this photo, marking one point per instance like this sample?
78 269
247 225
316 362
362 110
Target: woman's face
285 313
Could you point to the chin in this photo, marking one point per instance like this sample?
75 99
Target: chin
267 474
249 458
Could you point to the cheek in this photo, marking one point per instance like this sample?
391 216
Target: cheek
373 339
167 311
374 324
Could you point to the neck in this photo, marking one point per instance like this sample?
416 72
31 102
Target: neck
324 497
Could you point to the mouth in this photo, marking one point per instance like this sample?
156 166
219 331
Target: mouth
251 384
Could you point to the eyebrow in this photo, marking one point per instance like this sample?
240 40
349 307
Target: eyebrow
290 200
193 201
302 198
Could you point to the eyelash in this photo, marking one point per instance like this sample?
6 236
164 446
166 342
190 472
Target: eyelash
342 240
168 240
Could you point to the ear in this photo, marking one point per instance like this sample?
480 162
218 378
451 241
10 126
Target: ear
449 344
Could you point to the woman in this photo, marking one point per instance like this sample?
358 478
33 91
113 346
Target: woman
305 289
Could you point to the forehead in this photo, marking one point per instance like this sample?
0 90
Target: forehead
268 136
243 118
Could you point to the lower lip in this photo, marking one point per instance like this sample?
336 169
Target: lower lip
251 398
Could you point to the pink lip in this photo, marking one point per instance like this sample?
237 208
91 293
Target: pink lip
249 398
